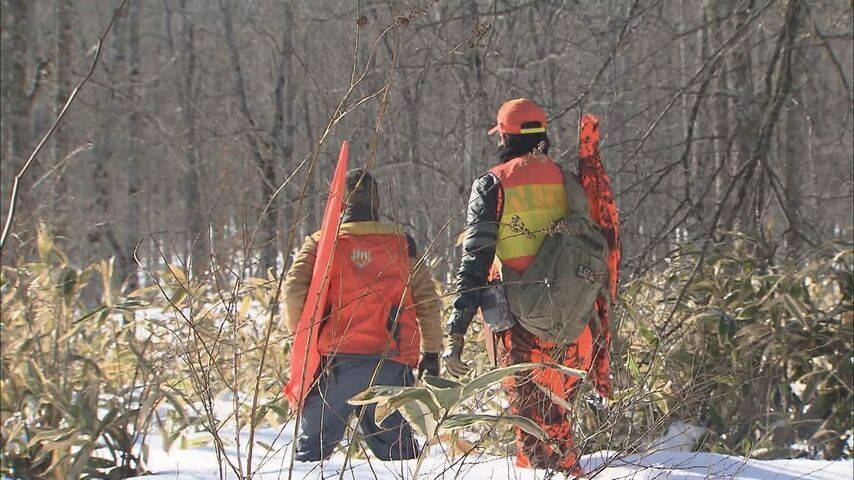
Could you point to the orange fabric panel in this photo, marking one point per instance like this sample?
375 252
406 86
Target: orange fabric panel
370 309
528 399
528 170
600 372
577 355
603 211
518 264
597 186
305 357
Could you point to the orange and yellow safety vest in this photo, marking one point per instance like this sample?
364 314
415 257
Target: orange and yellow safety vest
533 198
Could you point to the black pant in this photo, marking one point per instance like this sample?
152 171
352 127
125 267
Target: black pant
326 411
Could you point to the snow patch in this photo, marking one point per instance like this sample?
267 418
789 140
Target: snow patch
272 460
679 437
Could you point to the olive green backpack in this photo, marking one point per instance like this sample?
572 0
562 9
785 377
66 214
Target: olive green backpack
554 297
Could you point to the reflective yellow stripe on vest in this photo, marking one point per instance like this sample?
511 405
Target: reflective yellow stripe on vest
536 207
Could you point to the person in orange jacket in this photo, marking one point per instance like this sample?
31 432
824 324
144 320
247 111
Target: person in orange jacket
526 187
381 320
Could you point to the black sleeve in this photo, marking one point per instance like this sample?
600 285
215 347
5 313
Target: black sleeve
410 246
478 251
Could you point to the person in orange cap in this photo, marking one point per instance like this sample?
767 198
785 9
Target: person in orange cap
510 211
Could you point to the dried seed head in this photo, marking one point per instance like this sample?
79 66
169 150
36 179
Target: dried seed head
401 21
478 33
518 227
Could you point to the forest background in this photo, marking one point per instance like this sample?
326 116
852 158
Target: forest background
197 156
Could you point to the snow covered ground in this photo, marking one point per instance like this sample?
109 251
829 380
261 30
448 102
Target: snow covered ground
275 463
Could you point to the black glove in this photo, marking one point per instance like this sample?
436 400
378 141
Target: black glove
429 364
453 363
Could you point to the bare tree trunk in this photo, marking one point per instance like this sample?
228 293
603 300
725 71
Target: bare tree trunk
691 166
704 161
795 143
779 81
720 103
282 131
21 22
745 113
102 236
475 101
5 81
793 156
197 238
64 10
313 212
263 162
19 97
284 125
134 212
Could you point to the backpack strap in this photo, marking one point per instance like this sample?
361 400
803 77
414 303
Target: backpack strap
579 205
575 195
